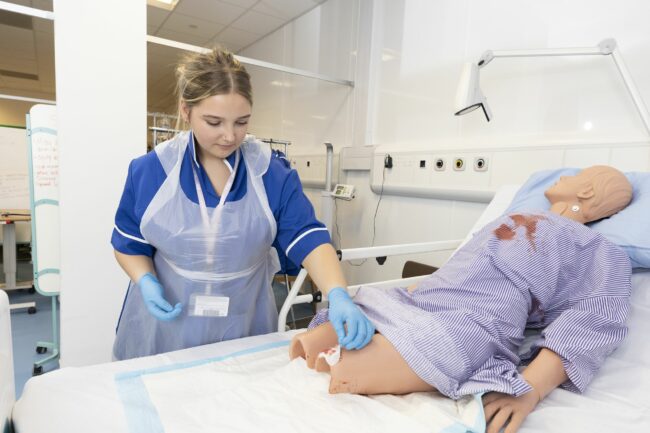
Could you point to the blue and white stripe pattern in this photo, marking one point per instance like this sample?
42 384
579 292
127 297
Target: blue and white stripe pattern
461 329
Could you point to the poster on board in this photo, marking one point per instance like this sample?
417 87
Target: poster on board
44 169
14 175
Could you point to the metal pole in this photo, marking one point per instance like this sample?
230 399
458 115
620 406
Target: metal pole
249 61
24 10
631 88
328 167
286 281
22 98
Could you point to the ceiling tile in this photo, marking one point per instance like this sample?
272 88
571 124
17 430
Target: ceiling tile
242 3
18 65
42 25
211 10
21 84
158 73
11 52
27 93
233 47
27 3
182 37
49 89
45 5
285 9
156 16
155 50
234 37
200 29
22 39
255 22
44 43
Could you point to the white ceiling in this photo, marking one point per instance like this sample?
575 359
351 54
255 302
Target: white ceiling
27 44
234 24
27 50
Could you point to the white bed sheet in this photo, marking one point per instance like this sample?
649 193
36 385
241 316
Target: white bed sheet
86 399
205 389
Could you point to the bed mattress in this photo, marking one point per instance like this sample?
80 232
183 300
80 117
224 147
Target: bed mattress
93 398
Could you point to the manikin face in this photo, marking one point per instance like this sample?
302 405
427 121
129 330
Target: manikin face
594 193
220 123
565 189
570 197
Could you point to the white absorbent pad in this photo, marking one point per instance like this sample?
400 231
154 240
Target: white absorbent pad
260 390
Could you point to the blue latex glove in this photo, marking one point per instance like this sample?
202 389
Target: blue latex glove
343 311
152 293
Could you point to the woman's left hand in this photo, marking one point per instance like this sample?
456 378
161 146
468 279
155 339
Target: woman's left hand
504 410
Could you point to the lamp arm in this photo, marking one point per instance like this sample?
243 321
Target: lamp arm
489 55
631 87
604 48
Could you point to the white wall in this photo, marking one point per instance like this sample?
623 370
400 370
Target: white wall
101 100
571 108
424 44
548 112
307 111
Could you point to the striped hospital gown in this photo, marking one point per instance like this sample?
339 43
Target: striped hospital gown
462 327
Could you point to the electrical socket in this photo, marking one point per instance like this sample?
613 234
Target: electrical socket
388 161
480 163
459 164
440 164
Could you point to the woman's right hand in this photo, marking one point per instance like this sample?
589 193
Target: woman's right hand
353 328
152 293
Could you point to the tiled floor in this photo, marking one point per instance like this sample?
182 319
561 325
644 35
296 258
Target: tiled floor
26 331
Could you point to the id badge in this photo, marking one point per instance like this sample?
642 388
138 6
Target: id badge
208 305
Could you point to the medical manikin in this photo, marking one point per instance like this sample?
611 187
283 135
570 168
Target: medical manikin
459 331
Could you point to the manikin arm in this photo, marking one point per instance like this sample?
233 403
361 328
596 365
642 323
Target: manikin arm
544 374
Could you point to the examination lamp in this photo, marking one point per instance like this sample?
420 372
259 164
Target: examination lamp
469 96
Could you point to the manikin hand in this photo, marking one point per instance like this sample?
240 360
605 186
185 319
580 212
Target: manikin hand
342 311
503 410
152 293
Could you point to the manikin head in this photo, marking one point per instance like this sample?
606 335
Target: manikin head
594 193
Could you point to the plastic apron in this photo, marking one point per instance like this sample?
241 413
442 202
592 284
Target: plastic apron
228 254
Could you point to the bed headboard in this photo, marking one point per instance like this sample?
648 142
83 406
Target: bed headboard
7 390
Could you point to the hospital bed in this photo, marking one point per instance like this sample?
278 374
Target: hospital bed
250 385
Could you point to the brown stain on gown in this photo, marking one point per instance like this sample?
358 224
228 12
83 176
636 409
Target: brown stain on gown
506 233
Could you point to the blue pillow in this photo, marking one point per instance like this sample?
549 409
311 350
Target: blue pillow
629 229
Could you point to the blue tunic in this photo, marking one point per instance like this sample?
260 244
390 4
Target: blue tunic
298 230
462 328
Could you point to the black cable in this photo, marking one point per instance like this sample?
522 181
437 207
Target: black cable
374 219
336 222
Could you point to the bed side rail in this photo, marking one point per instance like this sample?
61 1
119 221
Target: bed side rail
363 253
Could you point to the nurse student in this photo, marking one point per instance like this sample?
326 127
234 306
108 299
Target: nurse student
200 222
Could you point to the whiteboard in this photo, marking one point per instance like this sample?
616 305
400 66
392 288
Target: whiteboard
14 176
44 170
